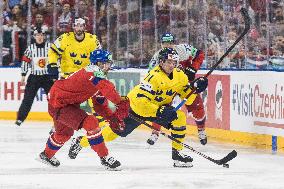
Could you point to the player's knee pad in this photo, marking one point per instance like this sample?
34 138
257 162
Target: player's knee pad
91 125
60 139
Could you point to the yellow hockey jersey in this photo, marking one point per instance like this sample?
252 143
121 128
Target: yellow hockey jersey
73 54
158 89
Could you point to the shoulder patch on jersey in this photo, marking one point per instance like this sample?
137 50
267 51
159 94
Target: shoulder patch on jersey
146 87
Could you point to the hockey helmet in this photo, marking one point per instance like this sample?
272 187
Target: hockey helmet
39 30
100 55
168 54
167 38
80 21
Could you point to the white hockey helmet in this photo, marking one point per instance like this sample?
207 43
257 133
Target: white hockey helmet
80 21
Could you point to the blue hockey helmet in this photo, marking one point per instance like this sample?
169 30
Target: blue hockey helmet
168 54
100 55
167 38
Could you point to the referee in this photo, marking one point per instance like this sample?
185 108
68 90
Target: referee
35 58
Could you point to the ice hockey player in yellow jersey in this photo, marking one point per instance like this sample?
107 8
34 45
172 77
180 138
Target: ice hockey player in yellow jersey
151 101
72 50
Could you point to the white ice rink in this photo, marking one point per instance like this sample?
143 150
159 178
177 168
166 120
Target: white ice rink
142 167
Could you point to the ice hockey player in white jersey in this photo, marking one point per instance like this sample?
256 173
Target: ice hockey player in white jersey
190 60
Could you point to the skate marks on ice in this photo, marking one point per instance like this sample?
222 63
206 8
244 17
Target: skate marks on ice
141 167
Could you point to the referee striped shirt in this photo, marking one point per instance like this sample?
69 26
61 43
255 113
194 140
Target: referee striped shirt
35 58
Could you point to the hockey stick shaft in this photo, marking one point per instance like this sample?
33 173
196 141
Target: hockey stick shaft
222 161
247 27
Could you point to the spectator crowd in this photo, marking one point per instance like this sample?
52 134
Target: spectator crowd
130 29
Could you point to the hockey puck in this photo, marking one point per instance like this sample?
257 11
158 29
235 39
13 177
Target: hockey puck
226 165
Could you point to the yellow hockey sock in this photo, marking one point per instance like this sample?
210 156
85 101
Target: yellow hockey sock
84 142
108 134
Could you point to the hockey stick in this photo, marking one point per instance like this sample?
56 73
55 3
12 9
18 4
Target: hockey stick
246 29
222 161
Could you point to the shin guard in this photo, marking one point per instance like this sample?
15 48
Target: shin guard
94 135
54 143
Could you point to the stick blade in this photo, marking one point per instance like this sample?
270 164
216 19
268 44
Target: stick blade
227 158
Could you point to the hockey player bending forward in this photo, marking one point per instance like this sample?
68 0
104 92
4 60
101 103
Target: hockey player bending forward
64 99
151 101
190 60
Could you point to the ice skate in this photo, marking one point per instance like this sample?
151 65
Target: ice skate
153 138
49 161
110 163
75 147
18 122
180 159
202 136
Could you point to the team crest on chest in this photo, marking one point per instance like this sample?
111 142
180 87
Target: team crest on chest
41 62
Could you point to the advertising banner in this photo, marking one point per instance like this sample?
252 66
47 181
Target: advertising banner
257 102
216 100
12 92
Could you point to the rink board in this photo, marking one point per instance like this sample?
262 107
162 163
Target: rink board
244 107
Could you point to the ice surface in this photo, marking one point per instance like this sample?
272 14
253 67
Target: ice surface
142 167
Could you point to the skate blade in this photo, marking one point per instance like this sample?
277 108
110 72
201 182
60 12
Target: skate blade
45 162
148 146
112 169
182 165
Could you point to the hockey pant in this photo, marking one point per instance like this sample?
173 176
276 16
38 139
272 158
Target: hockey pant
178 130
34 82
64 129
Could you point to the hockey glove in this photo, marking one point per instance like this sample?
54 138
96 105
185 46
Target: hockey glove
190 72
122 108
200 84
116 125
52 70
167 114
121 112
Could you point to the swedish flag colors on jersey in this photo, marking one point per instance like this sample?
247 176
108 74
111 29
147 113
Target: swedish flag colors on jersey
158 89
74 54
